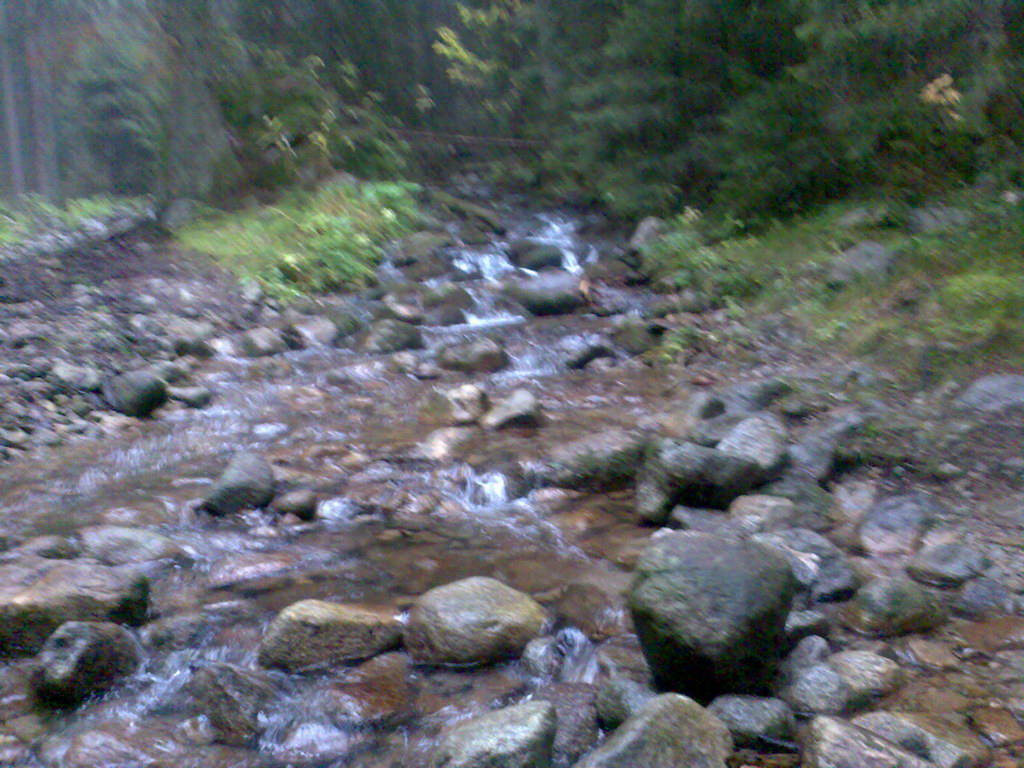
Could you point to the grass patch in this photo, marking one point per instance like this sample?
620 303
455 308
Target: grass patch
23 218
310 242
953 298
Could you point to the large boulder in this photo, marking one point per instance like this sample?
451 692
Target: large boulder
603 461
314 633
387 336
832 743
993 394
519 409
689 474
711 612
83 658
138 393
477 356
522 736
37 596
670 731
474 621
233 700
549 293
247 483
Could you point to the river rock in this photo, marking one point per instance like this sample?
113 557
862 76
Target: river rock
418 246
993 394
376 693
522 736
520 409
692 475
302 503
68 376
191 337
868 260
711 612
936 738
832 743
83 658
579 351
982 598
619 700
477 356
604 461
891 606
669 731
263 342
636 336
314 633
576 710
458 407
316 331
648 231
819 689
474 621
549 293
247 483
233 700
135 394
947 565
758 514
193 397
118 545
809 652
754 722
867 675
760 439
530 254
37 596
896 525
387 336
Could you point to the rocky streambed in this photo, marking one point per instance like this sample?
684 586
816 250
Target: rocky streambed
465 521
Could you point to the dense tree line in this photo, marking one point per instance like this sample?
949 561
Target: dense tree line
757 107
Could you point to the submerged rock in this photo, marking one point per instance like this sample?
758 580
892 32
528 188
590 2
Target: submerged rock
711 612
81 659
117 545
522 736
314 633
475 621
233 700
247 483
135 394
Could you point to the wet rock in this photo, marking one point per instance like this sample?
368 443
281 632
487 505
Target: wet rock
49 547
193 397
396 308
135 394
711 612
475 621
314 633
868 675
520 409
37 596
549 293
316 331
668 732
522 736
945 743
757 514
175 633
619 700
579 351
576 710
263 342
191 337
760 439
233 700
947 565
993 394
604 461
81 377
387 336
375 693
896 525
982 598
460 406
117 545
419 246
819 689
754 722
864 260
891 606
302 503
247 483
689 474
542 657
444 443
833 743
477 356
809 652
82 659
531 254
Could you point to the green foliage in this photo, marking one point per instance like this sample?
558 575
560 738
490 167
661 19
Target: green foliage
979 305
311 241
26 216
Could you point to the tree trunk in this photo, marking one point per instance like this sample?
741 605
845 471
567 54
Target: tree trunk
12 134
44 129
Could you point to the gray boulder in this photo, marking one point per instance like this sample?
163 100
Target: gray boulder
263 342
68 376
135 394
549 293
247 483
387 336
193 397
819 689
896 525
692 475
761 439
474 621
619 700
522 736
603 461
460 406
233 700
754 722
314 633
81 659
315 331
477 356
930 736
993 394
711 612
891 606
947 565
865 260
669 731
576 708
531 254
191 337
868 675
832 743
520 409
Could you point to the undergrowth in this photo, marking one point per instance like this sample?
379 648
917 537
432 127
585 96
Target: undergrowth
309 242
24 217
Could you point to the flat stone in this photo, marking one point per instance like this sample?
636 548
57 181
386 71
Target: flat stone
520 409
937 738
867 675
832 743
896 525
754 722
522 736
947 565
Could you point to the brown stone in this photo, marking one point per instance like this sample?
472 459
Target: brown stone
1003 634
374 693
998 726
